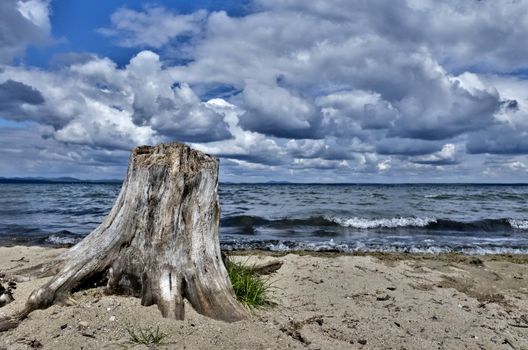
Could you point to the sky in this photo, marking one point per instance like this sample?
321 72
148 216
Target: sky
283 90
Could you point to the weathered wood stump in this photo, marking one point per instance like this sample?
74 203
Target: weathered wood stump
159 242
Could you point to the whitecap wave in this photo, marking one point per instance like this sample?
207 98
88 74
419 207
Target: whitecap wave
62 240
364 223
518 224
363 247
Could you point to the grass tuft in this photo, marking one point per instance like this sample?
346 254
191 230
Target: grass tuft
145 336
250 289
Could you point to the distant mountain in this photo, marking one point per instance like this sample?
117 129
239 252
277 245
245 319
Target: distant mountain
258 183
228 183
50 180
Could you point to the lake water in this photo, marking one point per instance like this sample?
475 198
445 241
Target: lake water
409 218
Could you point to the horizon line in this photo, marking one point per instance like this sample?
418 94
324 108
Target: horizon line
68 179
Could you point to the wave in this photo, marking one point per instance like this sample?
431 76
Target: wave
431 223
247 224
519 224
63 238
56 240
363 247
364 223
493 196
30 236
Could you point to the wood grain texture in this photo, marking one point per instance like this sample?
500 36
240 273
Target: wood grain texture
159 242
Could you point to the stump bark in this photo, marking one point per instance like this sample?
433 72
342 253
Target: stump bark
159 242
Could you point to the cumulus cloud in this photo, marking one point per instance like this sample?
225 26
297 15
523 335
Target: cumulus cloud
275 111
404 89
446 156
313 87
461 35
509 134
15 97
348 112
154 27
331 148
247 146
172 109
96 103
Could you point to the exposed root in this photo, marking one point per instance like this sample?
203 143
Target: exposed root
159 242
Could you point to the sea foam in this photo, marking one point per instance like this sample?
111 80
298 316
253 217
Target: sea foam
62 240
518 224
364 223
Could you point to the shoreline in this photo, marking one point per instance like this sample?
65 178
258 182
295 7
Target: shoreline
383 255
388 256
324 300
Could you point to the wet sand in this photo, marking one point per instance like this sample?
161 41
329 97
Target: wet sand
324 301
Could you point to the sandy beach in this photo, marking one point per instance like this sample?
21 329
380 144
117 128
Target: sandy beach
324 301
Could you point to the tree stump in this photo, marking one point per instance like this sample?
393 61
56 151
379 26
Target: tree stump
159 242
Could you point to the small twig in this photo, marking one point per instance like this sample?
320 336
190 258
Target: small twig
507 341
88 335
22 259
518 325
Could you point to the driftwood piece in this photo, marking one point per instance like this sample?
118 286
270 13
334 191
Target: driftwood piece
267 267
159 242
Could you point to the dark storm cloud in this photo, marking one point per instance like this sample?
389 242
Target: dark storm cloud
14 93
406 147
14 96
500 140
437 162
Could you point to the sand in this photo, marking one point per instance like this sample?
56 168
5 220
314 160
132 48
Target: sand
324 301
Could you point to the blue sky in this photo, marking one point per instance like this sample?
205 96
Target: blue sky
318 91
75 22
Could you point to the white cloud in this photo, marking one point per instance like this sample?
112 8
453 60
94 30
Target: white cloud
96 103
174 111
154 27
399 87
509 135
385 165
276 111
37 12
318 163
248 146
22 23
106 127
446 156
